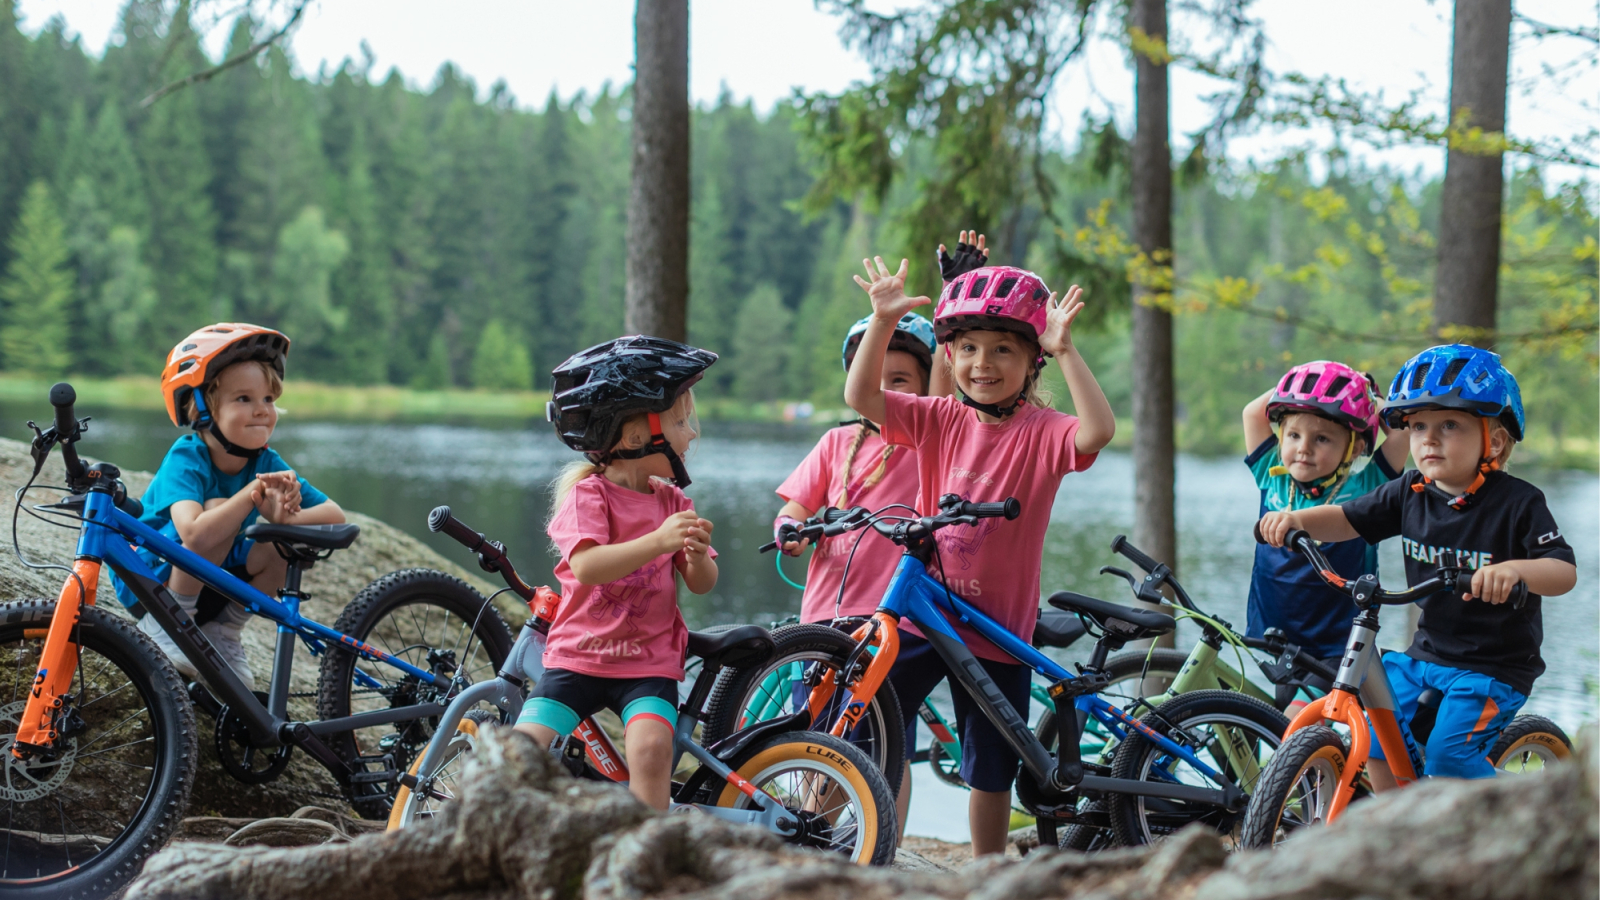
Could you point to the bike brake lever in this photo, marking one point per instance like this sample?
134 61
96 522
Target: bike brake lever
1140 586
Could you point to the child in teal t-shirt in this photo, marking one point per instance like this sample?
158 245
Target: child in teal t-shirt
1327 420
223 381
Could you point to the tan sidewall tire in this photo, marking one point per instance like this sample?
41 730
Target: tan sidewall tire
805 754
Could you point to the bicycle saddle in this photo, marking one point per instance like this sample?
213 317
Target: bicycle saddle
1119 622
745 645
1056 629
322 537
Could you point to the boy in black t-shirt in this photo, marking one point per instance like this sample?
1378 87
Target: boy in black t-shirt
1463 413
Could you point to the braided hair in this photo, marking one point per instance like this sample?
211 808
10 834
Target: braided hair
850 460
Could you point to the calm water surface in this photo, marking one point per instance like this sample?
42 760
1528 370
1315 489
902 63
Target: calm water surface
496 478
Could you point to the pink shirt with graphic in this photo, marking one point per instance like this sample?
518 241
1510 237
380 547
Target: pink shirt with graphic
817 483
995 564
631 627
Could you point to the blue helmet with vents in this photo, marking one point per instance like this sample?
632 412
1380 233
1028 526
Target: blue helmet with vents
912 334
1456 376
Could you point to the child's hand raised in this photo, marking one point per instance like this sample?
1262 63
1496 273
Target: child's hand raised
971 253
1057 337
888 291
276 496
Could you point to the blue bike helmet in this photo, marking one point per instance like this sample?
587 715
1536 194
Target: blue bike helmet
913 334
1456 376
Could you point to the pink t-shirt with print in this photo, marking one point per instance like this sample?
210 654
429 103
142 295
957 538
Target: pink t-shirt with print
631 627
995 564
816 483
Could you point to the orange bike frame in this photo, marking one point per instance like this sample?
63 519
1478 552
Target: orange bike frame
59 660
884 630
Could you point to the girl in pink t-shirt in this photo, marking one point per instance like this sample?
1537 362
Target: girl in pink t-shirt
625 533
998 440
852 466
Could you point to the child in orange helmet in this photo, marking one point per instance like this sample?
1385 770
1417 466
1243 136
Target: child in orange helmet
223 381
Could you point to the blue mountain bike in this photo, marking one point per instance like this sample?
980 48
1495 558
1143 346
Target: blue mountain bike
1193 759
98 745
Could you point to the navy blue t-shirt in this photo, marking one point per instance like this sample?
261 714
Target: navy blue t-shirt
1285 592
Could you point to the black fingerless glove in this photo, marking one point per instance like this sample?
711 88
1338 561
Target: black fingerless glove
967 257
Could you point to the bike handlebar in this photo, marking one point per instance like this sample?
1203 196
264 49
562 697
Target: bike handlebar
1447 579
1120 545
62 397
831 522
491 554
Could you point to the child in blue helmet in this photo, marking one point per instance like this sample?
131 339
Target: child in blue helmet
1462 412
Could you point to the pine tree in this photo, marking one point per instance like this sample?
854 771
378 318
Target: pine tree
307 254
123 305
361 283
501 361
37 289
434 373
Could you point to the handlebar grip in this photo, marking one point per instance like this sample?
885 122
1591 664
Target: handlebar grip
1122 546
62 397
440 520
831 515
1260 538
1519 595
1008 509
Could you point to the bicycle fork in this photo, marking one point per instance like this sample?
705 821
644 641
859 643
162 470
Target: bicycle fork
58 662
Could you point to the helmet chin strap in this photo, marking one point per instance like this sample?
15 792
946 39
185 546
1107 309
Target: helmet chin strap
658 444
1324 489
204 420
1486 464
999 412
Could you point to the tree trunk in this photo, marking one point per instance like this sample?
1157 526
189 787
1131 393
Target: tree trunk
658 201
1469 209
1154 526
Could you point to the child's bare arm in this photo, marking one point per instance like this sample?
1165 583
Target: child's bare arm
1096 424
795 510
1323 523
1545 577
699 569
1395 448
594 563
214 525
1256 426
325 513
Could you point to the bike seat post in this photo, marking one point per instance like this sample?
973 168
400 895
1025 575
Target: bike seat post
283 651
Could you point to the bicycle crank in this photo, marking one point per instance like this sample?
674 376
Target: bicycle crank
240 758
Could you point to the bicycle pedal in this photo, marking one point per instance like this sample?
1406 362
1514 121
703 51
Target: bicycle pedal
383 777
386 773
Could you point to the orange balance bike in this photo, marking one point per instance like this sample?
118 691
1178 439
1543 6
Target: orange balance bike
1315 773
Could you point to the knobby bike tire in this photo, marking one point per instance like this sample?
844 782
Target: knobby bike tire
822 754
415 588
1526 739
881 724
173 756
1136 820
1306 767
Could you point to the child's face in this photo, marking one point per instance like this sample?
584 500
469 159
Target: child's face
1311 447
1447 444
902 373
991 366
244 407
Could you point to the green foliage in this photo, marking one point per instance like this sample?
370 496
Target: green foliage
434 373
308 254
36 289
501 362
761 346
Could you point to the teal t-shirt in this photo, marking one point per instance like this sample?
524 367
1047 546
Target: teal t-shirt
1284 591
187 473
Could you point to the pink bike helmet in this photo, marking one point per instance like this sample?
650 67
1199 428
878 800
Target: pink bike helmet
1330 390
993 298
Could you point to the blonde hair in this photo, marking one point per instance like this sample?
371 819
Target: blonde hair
850 460
214 384
577 470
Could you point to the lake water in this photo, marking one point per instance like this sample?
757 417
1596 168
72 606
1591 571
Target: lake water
495 476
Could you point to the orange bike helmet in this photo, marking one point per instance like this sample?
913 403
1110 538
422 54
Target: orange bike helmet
200 356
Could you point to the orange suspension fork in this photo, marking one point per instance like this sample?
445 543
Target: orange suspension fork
887 640
59 660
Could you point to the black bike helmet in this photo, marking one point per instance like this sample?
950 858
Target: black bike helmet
597 390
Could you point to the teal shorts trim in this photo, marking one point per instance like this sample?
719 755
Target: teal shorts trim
649 708
552 714
563 698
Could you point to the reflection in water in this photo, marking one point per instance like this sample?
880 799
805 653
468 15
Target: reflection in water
496 479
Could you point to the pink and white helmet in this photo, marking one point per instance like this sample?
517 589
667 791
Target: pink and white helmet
993 298
1331 390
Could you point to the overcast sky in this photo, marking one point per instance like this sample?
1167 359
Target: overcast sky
763 50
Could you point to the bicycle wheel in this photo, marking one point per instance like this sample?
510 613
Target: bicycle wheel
764 692
1530 744
410 807
1128 670
84 823
1234 733
944 768
1297 788
1085 837
432 621
843 802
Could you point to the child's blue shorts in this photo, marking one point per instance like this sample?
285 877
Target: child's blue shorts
1475 709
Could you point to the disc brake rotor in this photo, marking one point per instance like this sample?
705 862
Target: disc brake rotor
30 779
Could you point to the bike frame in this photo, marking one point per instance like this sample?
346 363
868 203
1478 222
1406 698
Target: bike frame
915 595
1362 695
108 537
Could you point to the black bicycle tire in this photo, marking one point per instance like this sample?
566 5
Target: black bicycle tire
177 753
357 620
1123 808
733 686
1282 774
883 799
1523 727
